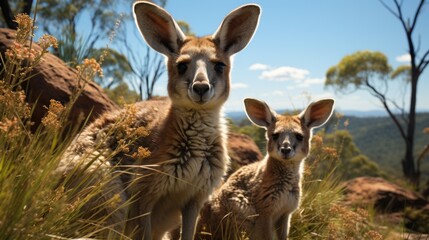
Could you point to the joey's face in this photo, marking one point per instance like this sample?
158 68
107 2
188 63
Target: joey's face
288 139
199 75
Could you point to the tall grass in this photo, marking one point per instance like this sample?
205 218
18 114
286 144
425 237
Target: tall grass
34 204
322 214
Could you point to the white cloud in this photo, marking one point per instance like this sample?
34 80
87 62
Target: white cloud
278 93
238 85
284 74
258 66
405 58
310 81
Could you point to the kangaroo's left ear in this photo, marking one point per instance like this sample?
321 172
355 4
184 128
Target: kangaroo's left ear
237 28
317 113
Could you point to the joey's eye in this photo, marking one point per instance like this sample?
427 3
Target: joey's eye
299 137
182 67
219 67
275 136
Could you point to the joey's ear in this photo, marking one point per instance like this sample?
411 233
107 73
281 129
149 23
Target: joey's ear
317 113
237 28
158 28
259 113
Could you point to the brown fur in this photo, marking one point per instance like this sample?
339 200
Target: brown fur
260 198
187 132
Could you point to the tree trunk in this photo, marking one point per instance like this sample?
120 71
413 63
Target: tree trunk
8 15
408 164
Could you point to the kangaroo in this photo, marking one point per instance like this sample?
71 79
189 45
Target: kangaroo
187 132
260 198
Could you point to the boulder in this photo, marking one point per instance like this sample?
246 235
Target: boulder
53 79
242 151
385 196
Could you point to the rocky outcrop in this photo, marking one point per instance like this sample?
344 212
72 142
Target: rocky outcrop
382 194
53 79
394 203
242 151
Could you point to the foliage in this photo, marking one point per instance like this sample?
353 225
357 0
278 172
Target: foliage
375 138
122 94
403 71
257 134
115 67
357 70
417 219
66 14
353 162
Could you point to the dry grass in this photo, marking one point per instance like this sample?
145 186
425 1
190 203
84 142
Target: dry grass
34 203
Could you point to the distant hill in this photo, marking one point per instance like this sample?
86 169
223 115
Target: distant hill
237 116
376 136
379 139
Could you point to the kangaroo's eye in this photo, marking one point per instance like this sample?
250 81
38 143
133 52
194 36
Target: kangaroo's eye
219 67
299 137
275 136
181 67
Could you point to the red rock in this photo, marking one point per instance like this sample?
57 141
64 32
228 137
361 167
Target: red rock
242 151
386 197
53 79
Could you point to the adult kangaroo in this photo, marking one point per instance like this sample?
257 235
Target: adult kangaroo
187 133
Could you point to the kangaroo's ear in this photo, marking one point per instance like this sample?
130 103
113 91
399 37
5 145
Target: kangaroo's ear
259 113
237 28
317 113
158 28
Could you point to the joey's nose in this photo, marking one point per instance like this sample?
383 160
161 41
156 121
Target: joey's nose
200 88
286 150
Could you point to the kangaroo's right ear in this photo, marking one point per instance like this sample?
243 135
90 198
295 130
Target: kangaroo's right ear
259 113
318 113
158 28
237 28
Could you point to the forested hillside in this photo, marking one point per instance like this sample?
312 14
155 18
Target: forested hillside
379 139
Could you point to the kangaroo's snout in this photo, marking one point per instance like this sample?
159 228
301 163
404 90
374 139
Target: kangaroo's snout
201 88
287 151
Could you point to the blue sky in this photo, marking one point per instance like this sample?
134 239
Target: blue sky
298 40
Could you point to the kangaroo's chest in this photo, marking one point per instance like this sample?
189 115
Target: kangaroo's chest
287 202
278 197
193 158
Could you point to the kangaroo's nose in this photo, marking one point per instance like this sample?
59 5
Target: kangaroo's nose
286 150
200 88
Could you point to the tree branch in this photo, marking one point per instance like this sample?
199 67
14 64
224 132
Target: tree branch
382 99
401 110
388 8
416 15
401 17
423 62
